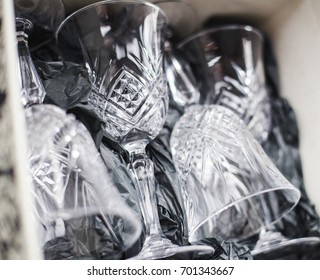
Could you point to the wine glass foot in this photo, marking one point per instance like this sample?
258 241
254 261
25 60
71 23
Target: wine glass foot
288 248
161 248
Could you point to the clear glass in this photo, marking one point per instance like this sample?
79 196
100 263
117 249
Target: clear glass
31 87
121 44
182 85
272 244
80 212
228 63
231 60
231 189
181 81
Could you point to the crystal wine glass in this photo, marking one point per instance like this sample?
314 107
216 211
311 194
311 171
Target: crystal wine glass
231 57
228 64
121 44
231 189
81 213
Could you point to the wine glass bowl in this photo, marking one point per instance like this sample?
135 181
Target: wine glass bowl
230 188
131 94
77 203
228 64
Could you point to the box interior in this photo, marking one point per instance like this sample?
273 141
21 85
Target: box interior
294 28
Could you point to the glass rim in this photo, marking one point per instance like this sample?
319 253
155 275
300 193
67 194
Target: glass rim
226 27
103 2
294 190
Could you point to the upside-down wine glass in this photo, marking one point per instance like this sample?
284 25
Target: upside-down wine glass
228 62
80 212
231 189
121 44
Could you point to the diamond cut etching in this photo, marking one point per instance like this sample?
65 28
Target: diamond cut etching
71 184
128 92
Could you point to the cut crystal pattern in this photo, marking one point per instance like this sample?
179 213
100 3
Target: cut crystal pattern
227 180
132 106
71 183
128 92
228 62
248 98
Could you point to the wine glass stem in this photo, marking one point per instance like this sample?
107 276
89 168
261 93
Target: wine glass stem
143 173
32 89
22 34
